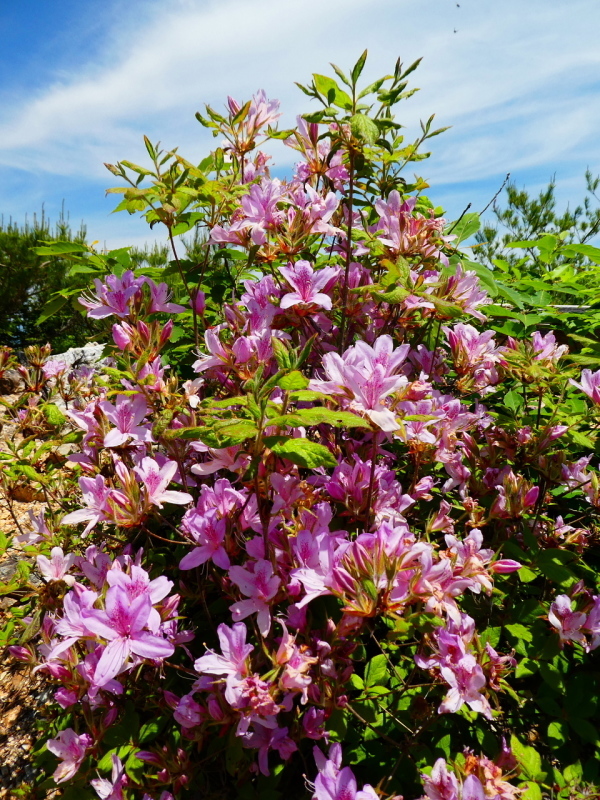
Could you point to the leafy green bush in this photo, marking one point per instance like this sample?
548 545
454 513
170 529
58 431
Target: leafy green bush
332 516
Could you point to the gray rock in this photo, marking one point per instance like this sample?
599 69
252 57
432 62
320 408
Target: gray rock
90 355
11 382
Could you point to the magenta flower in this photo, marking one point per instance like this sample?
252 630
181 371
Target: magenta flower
441 784
53 368
126 416
408 233
188 713
475 354
111 789
466 680
70 748
124 624
545 348
307 285
590 384
567 622
260 214
95 494
156 479
218 357
112 297
463 290
161 295
592 624
56 567
367 374
208 532
72 626
333 783
232 663
260 587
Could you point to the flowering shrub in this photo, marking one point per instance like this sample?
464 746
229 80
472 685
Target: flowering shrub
333 533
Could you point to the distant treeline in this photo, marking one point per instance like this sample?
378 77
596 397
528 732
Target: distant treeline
27 280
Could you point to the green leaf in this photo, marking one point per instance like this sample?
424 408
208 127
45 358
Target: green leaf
235 433
150 730
51 307
32 628
377 671
525 668
304 453
464 228
511 295
293 380
526 575
307 396
30 473
587 250
551 564
519 631
557 734
513 400
529 759
318 416
531 791
358 67
585 730
364 128
105 763
54 415
59 248
551 676
485 275
357 682
329 89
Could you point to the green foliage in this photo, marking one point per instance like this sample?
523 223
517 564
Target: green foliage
29 278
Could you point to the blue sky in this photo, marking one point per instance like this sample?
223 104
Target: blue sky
81 82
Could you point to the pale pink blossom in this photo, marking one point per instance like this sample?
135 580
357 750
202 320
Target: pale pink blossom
71 749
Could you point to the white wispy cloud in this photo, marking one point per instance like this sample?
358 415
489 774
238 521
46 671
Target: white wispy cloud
518 82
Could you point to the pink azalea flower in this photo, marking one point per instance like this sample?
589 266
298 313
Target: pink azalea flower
53 368
56 567
367 375
126 415
95 494
590 384
156 479
233 663
161 295
567 622
407 233
466 680
545 348
592 624
333 783
124 624
307 285
260 586
208 531
71 749
112 297
111 789
441 784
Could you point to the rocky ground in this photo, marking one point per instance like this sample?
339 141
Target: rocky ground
22 694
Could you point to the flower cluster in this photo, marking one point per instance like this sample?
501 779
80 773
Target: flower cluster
332 485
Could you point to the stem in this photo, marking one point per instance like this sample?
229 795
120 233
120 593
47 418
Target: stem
185 283
348 255
371 480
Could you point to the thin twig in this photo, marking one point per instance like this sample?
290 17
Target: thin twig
495 197
459 219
